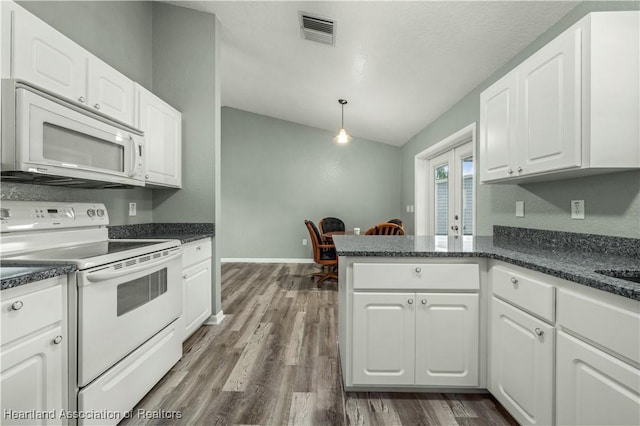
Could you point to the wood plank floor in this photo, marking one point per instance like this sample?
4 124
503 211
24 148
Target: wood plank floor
273 360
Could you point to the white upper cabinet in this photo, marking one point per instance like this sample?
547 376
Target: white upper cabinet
549 113
565 106
162 126
498 149
44 57
110 91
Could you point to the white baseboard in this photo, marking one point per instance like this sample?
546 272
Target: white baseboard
215 319
263 260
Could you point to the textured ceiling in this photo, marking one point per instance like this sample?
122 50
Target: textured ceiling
399 64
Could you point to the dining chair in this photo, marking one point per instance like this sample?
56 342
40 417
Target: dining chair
331 224
397 221
385 229
324 254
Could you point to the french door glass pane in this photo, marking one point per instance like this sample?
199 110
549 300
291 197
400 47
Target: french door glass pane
467 196
442 200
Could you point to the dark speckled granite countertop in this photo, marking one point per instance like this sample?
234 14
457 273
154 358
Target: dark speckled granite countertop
185 232
14 275
561 261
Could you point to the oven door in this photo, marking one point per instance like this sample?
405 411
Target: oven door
124 304
53 138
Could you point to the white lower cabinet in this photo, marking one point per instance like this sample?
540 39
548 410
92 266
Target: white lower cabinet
522 350
593 387
33 355
196 284
428 339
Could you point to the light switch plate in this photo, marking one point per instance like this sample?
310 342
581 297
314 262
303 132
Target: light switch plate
519 208
132 209
577 209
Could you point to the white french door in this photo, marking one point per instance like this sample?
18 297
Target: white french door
451 195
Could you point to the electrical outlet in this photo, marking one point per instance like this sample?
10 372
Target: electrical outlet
304 241
132 209
519 208
577 209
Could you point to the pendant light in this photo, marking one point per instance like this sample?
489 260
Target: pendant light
342 137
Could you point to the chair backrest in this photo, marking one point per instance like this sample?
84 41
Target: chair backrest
330 224
385 229
315 239
397 222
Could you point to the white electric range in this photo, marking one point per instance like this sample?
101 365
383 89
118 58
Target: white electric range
125 300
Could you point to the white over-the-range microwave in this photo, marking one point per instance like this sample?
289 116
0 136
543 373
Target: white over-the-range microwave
48 140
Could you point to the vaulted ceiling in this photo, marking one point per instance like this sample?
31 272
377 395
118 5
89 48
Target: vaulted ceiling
399 64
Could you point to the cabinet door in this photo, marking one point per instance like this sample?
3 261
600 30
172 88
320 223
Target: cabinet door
594 388
110 92
32 377
498 131
45 57
383 338
197 296
162 126
521 376
447 339
549 108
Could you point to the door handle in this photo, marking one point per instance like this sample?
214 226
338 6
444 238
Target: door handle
454 227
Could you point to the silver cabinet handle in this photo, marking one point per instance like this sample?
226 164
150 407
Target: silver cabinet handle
16 306
81 99
514 280
454 227
510 172
424 301
146 176
198 248
97 106
57 340
410 301
184 276
519 169
418 270
538 331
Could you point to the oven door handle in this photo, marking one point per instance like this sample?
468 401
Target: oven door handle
104 276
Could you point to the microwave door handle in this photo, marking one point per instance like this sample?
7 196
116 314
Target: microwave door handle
104 276
133 157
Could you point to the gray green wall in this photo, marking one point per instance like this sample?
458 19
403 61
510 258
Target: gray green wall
612 202
276 174
186 57
120 33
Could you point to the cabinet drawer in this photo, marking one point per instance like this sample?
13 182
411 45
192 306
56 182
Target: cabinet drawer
614 327
195 252
35 310
524 291
416 276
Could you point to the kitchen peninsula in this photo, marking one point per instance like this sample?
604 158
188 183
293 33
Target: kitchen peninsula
523 309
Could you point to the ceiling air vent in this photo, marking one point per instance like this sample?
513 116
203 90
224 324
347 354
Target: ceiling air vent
317 28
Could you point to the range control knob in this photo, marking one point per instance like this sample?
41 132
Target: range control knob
91 212
100 212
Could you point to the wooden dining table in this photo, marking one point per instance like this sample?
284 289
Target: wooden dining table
328 236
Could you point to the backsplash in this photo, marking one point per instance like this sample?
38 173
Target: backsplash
591 243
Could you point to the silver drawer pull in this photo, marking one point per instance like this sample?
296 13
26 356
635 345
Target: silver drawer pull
81 99
418 269
184 276
424 301
539 332
410 301
514 280
198 248
16 306
57 340
97 106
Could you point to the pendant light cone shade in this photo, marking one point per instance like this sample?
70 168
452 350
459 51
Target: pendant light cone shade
342 136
